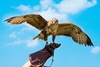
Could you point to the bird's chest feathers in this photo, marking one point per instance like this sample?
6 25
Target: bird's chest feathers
52 28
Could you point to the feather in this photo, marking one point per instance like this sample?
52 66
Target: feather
52 27
33 19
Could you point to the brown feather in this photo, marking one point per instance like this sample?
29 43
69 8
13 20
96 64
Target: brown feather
69 29
33 19
48 28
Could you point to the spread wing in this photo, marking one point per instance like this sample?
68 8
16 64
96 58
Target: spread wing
71 30
35 20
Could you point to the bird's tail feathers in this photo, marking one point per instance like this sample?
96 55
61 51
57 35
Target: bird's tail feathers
39 36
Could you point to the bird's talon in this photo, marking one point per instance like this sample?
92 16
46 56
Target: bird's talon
46 44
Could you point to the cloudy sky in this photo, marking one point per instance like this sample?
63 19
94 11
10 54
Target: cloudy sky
16 40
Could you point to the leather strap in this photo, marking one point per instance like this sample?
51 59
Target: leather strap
51 62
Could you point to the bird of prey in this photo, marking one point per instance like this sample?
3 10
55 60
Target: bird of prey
52 27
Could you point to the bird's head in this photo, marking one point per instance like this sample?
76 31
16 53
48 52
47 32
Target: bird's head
52 21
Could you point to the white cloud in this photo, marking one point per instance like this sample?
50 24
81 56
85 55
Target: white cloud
74 6
95 50
28 42
12 35
92 3
32 43
45 4
16 40
24 8
49 9
51 13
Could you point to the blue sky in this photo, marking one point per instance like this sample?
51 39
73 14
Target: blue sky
16 40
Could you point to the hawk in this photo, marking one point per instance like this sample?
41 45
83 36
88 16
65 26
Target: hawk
52 27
